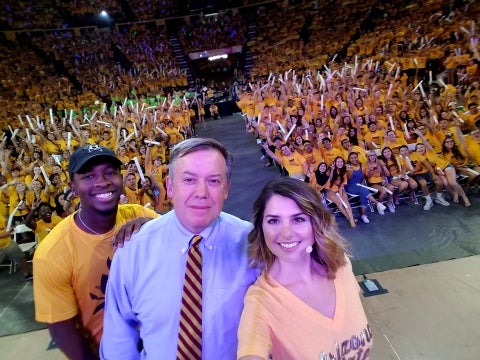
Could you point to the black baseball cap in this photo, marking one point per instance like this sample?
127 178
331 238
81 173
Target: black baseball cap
99 154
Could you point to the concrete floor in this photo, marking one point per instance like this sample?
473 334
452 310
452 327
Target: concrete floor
431 312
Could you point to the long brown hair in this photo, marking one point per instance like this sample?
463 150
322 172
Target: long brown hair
457 154
329 247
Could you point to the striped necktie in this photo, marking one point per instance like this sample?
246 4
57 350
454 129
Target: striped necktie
190 332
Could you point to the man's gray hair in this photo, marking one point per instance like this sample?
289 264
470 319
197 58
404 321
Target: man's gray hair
197 144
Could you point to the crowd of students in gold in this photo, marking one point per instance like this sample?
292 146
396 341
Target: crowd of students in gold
34 159
351 132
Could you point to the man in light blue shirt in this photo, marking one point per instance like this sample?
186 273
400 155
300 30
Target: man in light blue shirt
144 291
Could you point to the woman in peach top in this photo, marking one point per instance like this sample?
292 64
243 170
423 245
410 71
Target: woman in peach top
306 301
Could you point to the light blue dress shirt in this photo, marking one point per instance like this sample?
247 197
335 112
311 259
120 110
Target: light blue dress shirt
145 285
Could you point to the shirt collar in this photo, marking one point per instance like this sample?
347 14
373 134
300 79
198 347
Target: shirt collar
207 234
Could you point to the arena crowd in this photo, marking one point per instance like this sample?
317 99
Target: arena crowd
375 107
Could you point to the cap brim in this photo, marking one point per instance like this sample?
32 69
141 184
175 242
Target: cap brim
96 160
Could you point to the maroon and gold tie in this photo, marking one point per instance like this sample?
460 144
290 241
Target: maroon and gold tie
190 333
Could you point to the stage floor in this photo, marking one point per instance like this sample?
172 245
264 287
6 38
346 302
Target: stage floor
431 312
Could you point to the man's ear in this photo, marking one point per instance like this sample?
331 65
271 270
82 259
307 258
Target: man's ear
72 188
227 189
169 186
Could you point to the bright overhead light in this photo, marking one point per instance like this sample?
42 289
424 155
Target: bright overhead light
217 57
104 13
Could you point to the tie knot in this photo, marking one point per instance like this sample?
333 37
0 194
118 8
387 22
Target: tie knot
195 240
